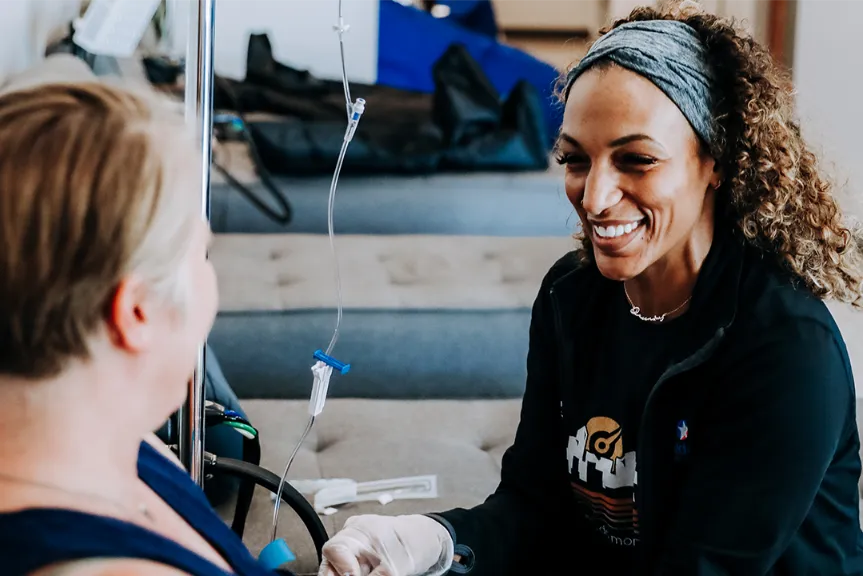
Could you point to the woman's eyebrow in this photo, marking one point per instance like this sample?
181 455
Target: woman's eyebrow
564 137
630 138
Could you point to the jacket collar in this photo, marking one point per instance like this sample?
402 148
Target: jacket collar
582 294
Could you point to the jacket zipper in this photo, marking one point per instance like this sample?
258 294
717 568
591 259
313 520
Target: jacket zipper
558 327
696 359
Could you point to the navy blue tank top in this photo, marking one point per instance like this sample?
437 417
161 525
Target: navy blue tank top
39 537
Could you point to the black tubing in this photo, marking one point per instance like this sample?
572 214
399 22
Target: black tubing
246 492
290 496
286 215
251 453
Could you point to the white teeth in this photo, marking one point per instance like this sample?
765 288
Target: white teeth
615 231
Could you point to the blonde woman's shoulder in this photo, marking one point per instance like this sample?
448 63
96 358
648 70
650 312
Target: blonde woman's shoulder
110 567
163 449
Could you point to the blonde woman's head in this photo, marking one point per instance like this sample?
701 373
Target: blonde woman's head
104 245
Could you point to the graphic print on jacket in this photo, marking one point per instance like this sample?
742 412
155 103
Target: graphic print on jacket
626 359
603 475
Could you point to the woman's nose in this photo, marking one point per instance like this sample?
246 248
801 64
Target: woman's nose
601 190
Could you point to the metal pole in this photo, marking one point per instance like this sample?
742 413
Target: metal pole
199 109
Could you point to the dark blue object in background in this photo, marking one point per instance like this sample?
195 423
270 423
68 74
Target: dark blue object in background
222 441
410 41
475 15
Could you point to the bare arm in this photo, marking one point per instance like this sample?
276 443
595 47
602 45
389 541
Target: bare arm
109 568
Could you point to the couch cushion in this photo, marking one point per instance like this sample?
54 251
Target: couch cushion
462 442
405 297
489 203
295 271
425 316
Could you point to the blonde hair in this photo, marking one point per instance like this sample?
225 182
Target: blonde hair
88 178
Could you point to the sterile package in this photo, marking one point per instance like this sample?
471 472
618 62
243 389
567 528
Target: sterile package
330 493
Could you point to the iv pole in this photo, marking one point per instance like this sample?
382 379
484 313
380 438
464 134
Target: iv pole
199 112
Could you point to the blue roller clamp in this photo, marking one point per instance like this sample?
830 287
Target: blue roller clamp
330 361
275 555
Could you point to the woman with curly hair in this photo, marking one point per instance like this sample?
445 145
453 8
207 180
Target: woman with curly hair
690 406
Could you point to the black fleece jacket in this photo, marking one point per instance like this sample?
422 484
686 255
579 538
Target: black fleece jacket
769 484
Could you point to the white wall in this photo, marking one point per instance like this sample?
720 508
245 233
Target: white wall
25 29
827 50
301 32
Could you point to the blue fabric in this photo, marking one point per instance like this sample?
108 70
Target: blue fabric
217 389
488 204
672 56
222 441
474 15
35 538
394 354
410 41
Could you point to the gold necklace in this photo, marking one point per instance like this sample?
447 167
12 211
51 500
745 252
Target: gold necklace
142 508
636 311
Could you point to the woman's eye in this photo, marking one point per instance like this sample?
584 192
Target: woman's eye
571 159
639 159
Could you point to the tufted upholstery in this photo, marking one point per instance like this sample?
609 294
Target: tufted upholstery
404 296
426 316
487 204
294 271
462 442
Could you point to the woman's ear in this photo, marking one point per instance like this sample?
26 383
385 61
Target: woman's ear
708 162
130 324
716 175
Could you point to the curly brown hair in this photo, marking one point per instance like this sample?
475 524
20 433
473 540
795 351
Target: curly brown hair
773 187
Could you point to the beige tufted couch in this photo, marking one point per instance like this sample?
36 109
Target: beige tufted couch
462 442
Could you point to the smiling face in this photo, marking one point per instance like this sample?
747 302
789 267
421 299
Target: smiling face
636 173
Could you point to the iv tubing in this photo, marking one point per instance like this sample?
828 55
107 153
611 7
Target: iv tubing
330 230
341 30
333 340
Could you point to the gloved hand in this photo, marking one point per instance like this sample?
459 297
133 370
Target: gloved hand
371 545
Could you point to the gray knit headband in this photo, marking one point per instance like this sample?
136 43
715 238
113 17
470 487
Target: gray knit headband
672 56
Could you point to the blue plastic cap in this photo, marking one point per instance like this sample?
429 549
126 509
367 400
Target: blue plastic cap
276 554
330 361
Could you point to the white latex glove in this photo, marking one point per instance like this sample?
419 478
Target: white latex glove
371 545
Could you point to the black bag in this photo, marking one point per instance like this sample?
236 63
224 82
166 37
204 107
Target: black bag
463 126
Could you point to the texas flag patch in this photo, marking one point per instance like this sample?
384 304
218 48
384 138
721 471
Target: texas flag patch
682 430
